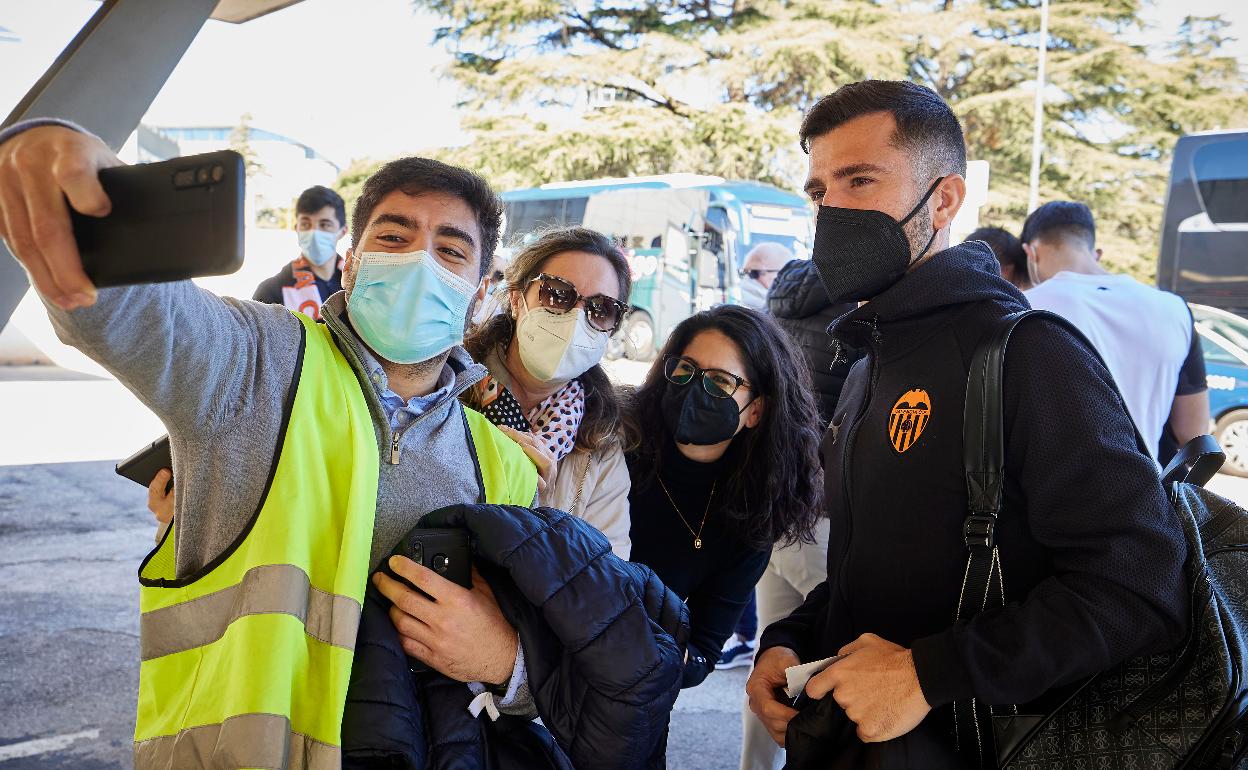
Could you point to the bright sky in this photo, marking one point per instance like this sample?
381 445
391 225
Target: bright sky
350 78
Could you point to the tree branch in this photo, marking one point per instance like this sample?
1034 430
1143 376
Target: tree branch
666 102
593 31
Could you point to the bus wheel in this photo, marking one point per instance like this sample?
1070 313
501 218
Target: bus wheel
638 336
1232 434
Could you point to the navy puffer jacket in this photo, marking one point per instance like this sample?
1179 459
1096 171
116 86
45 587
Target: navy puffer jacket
603 641
800 304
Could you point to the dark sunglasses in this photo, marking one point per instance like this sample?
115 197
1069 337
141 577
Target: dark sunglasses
604 313
757 273
680 371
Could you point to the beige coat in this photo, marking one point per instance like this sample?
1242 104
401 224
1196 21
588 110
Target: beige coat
601 478
595 488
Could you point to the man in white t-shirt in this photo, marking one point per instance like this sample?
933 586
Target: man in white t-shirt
1144 334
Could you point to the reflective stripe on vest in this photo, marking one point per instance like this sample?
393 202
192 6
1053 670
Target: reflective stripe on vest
246 663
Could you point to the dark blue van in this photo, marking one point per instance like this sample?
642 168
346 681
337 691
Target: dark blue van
1204 238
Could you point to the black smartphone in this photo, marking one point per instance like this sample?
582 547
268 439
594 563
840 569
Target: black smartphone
445 551
142 466
172 220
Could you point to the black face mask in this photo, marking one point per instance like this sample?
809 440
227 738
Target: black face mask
696 417
861 252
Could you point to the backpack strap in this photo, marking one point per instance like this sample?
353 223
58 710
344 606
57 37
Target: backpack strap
1195 464
983 460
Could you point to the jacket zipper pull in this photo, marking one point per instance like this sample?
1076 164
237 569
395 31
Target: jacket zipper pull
394 449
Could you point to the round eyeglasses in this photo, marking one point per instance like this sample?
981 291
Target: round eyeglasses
721 384
604 313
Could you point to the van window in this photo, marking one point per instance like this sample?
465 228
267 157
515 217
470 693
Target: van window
1221 173
523 217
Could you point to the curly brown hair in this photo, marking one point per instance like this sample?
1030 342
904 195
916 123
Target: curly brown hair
601 422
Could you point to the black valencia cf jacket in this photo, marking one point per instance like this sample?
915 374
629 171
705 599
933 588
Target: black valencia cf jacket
1092 553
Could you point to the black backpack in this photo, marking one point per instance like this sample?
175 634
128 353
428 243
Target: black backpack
1185 708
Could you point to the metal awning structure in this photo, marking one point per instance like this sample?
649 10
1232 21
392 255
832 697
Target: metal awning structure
108 75
239 11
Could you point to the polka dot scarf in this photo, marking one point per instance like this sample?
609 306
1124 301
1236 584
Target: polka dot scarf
554 421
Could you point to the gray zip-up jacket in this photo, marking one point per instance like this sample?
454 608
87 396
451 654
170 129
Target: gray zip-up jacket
216 371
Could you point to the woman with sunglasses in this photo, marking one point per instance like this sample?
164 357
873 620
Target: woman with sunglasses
722 444
545 387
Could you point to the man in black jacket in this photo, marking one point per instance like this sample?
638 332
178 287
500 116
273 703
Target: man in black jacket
1092 553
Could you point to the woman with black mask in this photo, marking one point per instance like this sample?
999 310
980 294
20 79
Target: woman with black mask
722 444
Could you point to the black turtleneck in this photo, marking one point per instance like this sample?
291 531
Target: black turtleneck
715 580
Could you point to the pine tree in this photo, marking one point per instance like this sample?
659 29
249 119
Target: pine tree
560 89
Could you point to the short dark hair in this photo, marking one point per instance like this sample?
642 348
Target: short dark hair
318 197
414 176
1009 250
1061 218
926 126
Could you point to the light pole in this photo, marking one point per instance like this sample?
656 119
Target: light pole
1037 129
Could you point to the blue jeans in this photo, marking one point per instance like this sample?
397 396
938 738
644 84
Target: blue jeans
747 626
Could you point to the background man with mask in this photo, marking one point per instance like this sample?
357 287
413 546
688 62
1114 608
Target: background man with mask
310 279
758 272
369 436
1083 504
1144 334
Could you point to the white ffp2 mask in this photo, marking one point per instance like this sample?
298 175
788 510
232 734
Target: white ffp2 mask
557 347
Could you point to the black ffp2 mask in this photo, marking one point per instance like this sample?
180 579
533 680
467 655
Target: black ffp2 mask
861 252
696 417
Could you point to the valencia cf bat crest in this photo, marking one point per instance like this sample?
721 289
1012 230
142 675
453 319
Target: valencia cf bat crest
910 415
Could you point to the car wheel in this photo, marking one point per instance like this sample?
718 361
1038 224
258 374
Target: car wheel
638 336
1232 434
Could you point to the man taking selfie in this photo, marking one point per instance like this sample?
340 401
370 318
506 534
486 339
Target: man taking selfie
303 451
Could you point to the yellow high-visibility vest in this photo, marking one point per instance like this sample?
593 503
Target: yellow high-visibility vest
246 663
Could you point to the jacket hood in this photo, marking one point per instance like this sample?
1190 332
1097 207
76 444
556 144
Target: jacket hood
962 274
798 292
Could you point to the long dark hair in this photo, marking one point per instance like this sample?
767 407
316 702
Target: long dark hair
601 421
774 483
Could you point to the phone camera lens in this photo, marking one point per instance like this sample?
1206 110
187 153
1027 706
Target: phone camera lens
201 175
441 563
218 173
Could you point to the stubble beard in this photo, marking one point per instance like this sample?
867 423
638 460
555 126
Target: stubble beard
919 232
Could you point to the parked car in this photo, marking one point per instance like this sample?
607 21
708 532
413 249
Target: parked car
1224 342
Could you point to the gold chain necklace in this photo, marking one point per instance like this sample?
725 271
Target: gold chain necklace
697 536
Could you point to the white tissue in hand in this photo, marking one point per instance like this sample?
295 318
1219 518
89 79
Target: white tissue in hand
798 676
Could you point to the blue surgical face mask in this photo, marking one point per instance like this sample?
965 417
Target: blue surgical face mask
408 307
318 246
